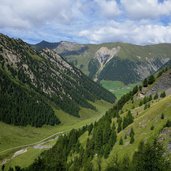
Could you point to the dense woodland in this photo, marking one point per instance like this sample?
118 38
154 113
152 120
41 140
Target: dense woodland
28 77
19 107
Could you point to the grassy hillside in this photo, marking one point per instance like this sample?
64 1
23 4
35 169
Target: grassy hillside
142 127
14 138
112 142
30 81
118 88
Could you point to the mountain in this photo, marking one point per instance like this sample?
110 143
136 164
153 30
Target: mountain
44 44
133 135
123 62
32 83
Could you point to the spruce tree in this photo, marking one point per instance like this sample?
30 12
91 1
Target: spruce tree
121 141
163 94
156 96
162 116
132 139
119 124
145 82
151 79
151 157
132 136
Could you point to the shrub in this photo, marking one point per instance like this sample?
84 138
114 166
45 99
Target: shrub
163 94
152 127
162 116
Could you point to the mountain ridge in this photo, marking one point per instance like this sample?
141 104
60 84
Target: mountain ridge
136 60
47 76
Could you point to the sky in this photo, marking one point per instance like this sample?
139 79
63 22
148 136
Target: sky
87 21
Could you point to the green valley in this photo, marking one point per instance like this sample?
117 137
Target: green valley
116 87
85 85
134 126
15 138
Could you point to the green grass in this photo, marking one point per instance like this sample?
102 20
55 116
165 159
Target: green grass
25 159
118 88
14 136
141 126
35 57
83 139
112 84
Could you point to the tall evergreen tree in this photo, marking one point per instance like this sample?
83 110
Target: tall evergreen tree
151 157
145 82
151 79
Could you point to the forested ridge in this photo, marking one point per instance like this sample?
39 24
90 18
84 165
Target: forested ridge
45 75
69 154
20 107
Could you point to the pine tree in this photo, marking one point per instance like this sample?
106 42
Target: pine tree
140 88
106 151
156 96
146 106
145 82
162 116
132 136
168 123
152 127
163 94
3 167
141 103
151 156
119 124
132 132
121 141
132 139
128 119
151 79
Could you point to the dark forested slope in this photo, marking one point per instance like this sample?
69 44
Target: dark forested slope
31 81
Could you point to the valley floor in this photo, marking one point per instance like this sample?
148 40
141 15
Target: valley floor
144 119
21 145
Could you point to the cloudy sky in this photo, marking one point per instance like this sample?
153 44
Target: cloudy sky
87 21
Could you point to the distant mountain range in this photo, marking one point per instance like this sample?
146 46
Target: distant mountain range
31 82
123 62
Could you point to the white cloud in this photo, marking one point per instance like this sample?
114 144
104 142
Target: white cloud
130 31
108 8
95 21
139 9
30 13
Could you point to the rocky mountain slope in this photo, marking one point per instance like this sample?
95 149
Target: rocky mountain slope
31 82
113 61
133 135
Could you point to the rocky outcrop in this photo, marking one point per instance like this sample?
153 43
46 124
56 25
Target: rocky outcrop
104 55
162 84
50 75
